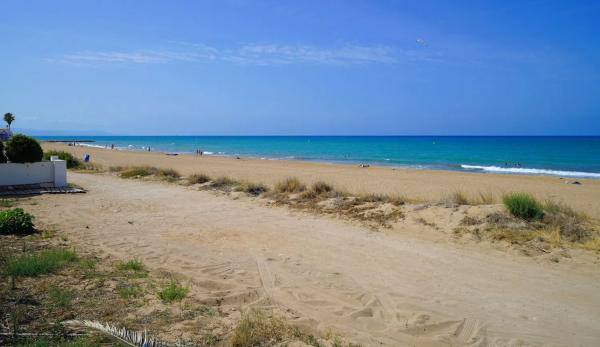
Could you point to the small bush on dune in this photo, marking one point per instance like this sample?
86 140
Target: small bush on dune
16 222
256 329
167 173
223 182
141 171
31 265
72 162
565 219
394 200
198 179
23 149
321 188
522 205
290 185
254 189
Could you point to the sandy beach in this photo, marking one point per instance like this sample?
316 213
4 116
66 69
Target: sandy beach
412 285
415 283
427 185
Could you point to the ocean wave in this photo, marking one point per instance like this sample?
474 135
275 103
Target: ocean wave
528 171
91 146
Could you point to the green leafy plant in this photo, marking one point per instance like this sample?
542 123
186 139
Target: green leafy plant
173 292
23 149
16 221
72 162
524 206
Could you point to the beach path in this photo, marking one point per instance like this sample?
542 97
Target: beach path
378 288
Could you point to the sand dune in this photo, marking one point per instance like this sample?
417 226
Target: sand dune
402 287
418 184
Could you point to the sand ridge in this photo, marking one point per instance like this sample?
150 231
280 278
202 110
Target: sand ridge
417 184
392 289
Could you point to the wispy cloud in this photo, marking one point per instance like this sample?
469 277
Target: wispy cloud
270 54
251 54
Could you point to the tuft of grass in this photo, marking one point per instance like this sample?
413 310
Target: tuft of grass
60 297
381 198
459 198
128 292
131 265
592 244
321 188
256 329
524 206
198 179
254 189
562 217
6 203
140 171
486 198
31 265
223 182
116 169
290 185
173 292
168 174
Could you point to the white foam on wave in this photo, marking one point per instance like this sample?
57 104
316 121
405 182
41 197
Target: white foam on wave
526 171
90 145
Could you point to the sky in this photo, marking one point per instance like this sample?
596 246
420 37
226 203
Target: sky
301 67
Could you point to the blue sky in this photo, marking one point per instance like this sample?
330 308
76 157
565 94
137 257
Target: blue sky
302 67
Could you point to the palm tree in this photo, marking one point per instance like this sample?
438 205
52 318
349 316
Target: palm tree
9 118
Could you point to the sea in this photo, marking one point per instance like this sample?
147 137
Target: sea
577 157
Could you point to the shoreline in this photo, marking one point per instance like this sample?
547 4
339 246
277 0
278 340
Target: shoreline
467 168
419 184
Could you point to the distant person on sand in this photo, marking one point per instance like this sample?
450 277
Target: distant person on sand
112 146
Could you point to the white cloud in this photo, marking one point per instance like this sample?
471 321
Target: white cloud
285 54
252 54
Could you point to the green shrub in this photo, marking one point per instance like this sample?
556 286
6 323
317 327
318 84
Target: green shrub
16 221
2 156
173 292
72 162
522 205
23 149
290 185
31 265
198 179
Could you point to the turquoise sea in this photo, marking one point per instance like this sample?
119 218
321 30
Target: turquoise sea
557 156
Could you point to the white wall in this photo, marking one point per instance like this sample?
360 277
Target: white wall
47 173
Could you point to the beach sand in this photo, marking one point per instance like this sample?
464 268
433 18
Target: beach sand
412 285
427 185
